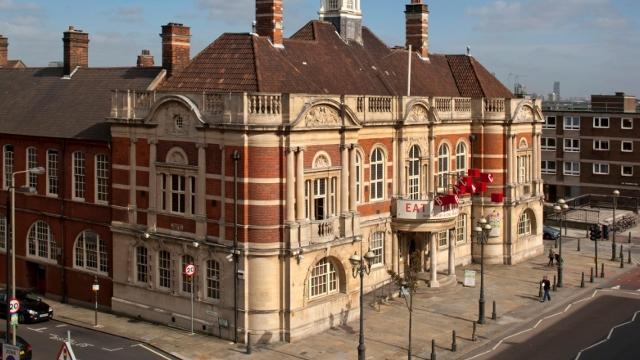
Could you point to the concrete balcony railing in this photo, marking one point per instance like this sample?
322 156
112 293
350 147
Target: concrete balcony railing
323 231
422 210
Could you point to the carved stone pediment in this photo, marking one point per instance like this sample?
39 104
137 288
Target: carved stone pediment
525 114
322 115
419 114
321 162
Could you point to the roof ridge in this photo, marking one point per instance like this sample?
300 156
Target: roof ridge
475 74
256 65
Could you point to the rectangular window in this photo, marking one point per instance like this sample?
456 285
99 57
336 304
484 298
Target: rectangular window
52 172
572 168
549 123
333 191
307 190
142 262
377 247
5 233
548 144
164 191
78 175
548 167
192 181
358 178
571 145
627 146
164 269
8 165
626 170
601 169
102 178
213 279
524 169
319 199
461 226
602 145
443 238
572 122
32 162
178 194
627 123
601 122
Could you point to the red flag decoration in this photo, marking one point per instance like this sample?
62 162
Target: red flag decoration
481 187
497 197
460 189
474 173
468 181
486 177
444 200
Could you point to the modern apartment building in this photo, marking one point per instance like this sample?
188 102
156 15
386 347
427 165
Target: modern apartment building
591 148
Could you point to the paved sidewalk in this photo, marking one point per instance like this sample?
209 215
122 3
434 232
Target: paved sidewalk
436 313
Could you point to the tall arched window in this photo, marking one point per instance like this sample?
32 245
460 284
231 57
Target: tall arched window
40 241
414 173
461 158
524 223
324 279
443 167
358 177
213 279
377 175
187 281
91 252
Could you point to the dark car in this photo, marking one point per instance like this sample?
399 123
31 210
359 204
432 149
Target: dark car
25 347
32 308
550 233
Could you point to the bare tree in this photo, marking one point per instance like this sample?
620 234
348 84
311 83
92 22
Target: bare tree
408 283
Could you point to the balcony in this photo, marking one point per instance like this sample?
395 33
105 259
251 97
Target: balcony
323 231
422 215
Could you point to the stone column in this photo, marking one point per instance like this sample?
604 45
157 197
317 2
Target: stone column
353 193
509 159
300 204
402 184
223 192
394 253
133 214
434 260
153 184
344 179
432 163
291 190
452 253
201 185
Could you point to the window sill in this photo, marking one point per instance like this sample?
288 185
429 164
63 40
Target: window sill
325 298
42 259
90 271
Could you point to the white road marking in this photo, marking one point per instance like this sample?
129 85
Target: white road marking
38 329
617 287
112 350
608 336
61 325
152 351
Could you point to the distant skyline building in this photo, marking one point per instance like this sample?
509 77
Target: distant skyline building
556 90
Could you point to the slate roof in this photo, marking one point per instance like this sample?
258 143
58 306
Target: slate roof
38 102
315 60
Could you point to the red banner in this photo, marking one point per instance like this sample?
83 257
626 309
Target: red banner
485 177
474 173
497 197
444 200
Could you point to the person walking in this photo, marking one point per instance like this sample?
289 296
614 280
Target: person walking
546 286
552 255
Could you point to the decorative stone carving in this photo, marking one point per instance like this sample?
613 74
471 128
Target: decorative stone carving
322 115
418 114
321 162
176 157
525 114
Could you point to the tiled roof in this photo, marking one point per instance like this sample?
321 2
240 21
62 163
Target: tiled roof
316 60
38 102
15 64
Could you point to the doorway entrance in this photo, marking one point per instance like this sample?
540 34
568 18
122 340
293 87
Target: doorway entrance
37 277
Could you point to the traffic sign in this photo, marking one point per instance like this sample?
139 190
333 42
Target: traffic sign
10 352
14 306
66 352
190 270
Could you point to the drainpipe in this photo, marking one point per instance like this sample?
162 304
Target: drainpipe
236 157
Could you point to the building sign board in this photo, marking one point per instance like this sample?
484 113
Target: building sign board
470 278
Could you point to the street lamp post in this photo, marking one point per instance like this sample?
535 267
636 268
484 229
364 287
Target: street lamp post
616 193
95 287
560 209
360 267
482 234
37 171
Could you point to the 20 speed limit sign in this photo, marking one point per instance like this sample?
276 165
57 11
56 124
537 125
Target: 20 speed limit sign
14 306
190 270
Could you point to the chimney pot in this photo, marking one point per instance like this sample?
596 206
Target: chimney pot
269 20
145 59
76 49
4 51
176 47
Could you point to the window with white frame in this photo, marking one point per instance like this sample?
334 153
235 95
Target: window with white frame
307 201
524 168
52 172
461 228
324 199
164 269
601 169
549 123
91 252
142 264
102 178
443 167
8 162
377 174
524 224
32 162
5 233
178 193
626 170
571 145
601 122
571 168
548 167
40 241
377 247
626 146
627 123
461 158
601 145
79 177
548 143
213 279
414 173
358 177
323 280
187 281
572 122
443 238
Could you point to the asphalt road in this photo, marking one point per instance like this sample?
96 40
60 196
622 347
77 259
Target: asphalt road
46 339
622 345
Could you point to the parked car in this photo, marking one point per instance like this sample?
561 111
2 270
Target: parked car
550 233
32 308
25 347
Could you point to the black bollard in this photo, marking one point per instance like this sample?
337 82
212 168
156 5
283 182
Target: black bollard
473 335
578 244
602 270
494 315
621 258
582 281
540 291
629 255
591 277
433 350
248 343
554 283
629 237
454 345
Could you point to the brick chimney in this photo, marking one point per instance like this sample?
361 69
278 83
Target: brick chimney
76 49
145 59
4 51
269 20
176 47
417 27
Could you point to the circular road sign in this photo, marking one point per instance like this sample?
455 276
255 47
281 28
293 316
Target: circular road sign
14 306
190 270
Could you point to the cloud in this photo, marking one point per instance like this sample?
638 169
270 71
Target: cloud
24 27
230 12
10 5
129 14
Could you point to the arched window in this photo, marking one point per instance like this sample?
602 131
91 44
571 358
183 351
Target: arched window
324 279
164 269
187 281
443 167
91 252
461 158
40 241
142 264
8 158
377 175
414 173
524 224
358 177
213 279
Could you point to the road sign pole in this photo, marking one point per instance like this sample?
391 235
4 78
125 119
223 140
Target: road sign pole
192 290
